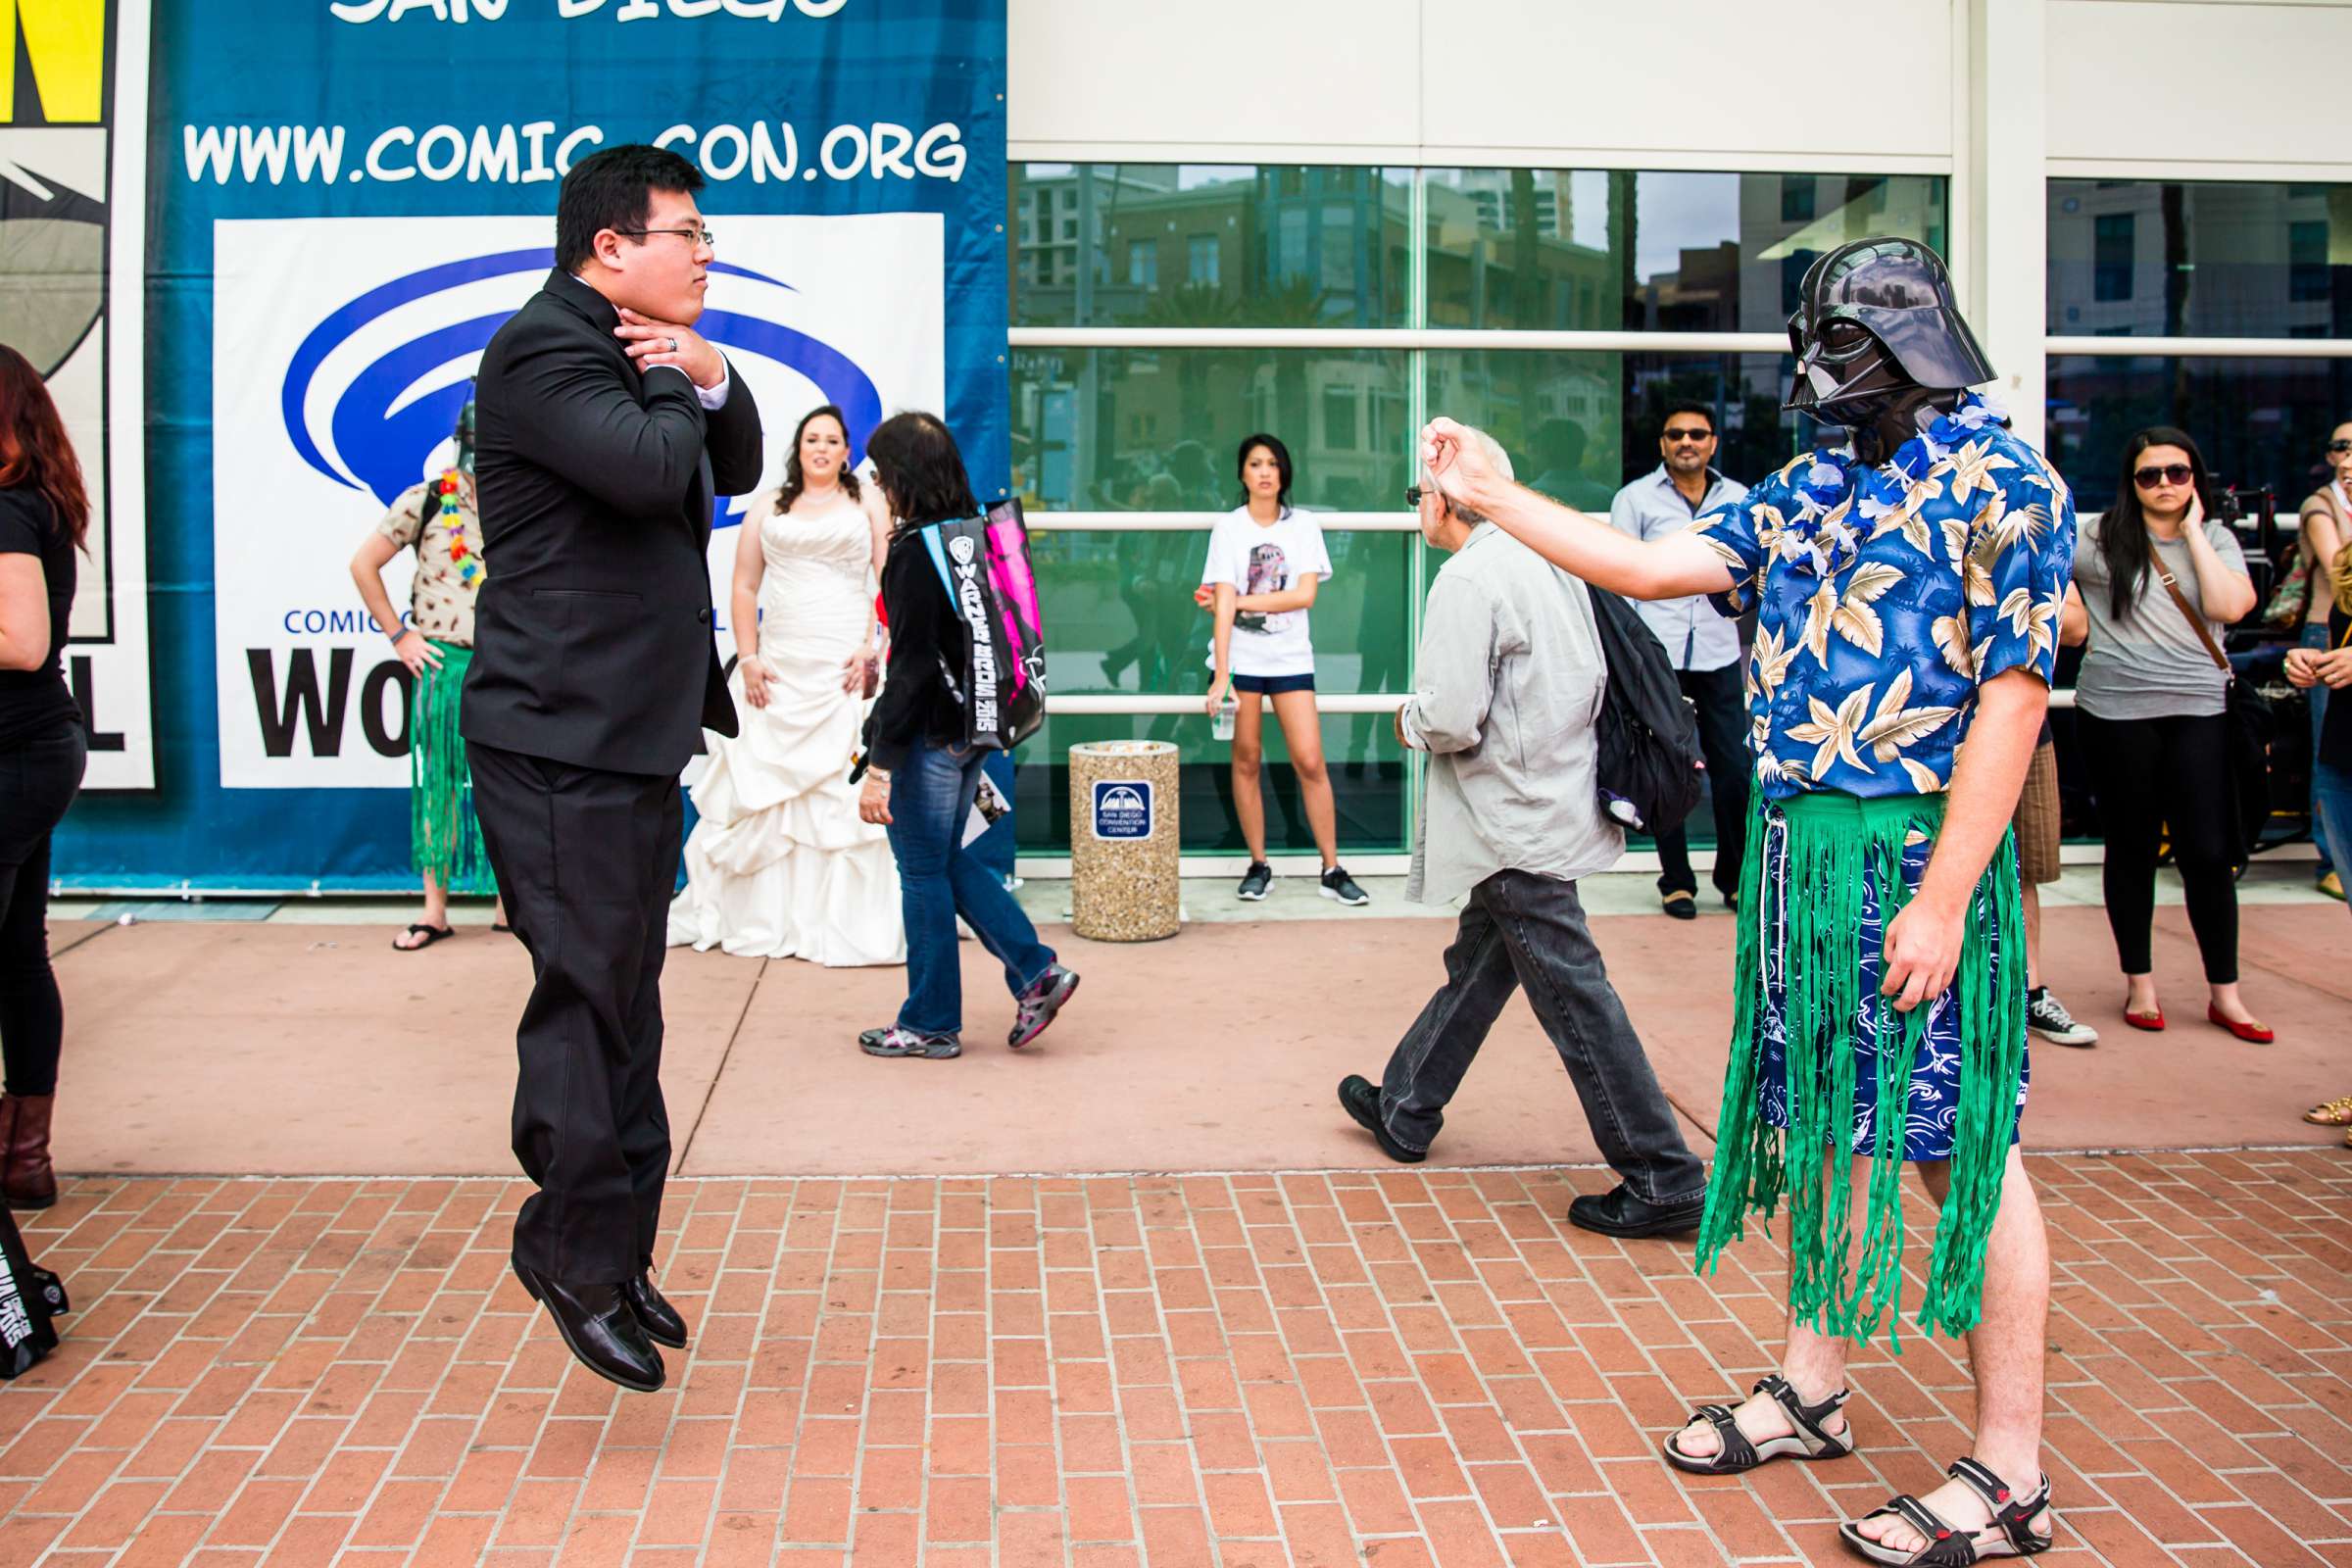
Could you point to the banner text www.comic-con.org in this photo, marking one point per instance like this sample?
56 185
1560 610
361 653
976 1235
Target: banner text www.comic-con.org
532 153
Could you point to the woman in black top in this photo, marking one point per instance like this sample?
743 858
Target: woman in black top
920 776
44 513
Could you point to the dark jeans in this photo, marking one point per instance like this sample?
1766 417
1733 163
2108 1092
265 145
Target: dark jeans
2151 775
1519 929
939 879
2315 635
586 861
1721 704
37 781
2331 786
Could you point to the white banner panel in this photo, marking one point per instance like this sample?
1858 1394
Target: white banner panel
340 350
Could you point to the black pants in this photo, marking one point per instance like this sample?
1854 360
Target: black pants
2154 773
586 861
1521 929
37 782
1722 705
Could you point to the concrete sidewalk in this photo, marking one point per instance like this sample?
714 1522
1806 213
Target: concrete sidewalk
283 1046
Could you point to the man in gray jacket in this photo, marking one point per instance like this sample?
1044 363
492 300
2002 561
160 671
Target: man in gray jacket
1510 680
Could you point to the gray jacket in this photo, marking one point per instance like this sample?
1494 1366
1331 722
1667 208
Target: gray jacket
1509 684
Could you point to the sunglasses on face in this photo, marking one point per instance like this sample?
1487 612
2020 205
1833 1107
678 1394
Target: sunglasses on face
2339 448
2150 477
1690 436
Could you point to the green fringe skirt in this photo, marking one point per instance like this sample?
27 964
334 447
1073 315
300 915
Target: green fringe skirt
1823 1069
445 838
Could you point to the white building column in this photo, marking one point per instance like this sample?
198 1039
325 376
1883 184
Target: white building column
2002 198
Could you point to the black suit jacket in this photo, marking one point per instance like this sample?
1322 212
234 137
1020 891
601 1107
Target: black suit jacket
592 637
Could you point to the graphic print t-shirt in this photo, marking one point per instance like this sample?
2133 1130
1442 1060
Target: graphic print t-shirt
1266 559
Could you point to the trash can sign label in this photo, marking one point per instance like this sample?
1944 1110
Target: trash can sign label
1123 809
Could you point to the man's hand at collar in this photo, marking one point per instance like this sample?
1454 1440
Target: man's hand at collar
652 342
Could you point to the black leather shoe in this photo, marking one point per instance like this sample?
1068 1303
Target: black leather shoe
600 1329
1619 1212
1361 1099
663 1324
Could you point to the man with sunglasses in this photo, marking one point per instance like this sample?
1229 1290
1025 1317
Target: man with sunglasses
605 427
1701 643
1908 582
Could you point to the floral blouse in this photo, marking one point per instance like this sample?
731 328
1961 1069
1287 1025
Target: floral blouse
1887 597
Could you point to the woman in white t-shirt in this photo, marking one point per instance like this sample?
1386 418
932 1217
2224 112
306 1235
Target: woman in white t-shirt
1264 560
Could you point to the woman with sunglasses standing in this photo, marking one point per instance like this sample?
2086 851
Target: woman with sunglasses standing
2326 523
2150 701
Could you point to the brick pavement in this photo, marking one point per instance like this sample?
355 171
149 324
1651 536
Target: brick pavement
1391 1368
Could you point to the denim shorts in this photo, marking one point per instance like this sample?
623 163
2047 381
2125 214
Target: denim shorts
1274 685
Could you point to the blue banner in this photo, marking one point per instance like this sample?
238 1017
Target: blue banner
345 201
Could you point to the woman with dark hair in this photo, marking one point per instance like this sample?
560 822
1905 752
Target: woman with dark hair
920 775
44 517
1264 560
779 864
2155 586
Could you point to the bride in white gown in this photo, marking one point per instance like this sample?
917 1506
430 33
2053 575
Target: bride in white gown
778 866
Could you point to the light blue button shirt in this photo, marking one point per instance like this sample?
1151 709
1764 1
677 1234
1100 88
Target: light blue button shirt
1695 635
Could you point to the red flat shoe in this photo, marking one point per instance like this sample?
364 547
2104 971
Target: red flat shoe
2253 1034
2152 1022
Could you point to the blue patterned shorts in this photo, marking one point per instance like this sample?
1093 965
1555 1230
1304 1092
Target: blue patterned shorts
1932 1108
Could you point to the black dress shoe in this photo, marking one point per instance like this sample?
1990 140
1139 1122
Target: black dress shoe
1360 1100
663 1324
600 1329
1681 905
1619 1212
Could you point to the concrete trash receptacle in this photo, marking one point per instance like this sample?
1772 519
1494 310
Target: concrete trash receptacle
1123 841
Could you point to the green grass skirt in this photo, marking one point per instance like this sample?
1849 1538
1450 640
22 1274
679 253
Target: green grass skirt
445 838
1803 887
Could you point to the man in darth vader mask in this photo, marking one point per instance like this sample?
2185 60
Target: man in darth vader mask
1907 581
1877 339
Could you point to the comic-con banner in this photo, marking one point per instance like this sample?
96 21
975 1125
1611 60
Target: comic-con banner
350 197
73 223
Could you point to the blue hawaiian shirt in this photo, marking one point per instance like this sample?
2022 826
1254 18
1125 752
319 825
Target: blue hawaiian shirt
1886 596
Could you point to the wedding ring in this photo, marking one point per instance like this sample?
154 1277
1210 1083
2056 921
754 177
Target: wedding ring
674 345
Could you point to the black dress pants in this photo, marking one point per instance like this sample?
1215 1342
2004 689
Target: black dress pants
586 861
1722 704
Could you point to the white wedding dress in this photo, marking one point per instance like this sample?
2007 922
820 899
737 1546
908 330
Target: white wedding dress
778 866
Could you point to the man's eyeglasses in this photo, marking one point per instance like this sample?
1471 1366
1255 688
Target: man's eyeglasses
692 236
2148 478
1690 436
2339 446
1413 493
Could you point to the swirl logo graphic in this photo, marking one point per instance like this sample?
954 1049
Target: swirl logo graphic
388 416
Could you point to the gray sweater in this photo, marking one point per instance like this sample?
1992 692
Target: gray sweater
1509 682
2149 665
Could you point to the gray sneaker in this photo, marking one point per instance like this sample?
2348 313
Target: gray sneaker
1256 881
894 1041
1338 884
1037 1005
2047 1017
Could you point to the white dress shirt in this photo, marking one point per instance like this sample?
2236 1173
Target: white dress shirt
1695 634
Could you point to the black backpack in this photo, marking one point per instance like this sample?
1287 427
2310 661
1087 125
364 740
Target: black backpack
1650 769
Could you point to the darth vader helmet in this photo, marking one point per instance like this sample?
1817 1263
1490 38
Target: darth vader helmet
1875 323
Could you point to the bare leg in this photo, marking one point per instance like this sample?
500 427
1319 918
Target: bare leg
1303 733
2032 897
2139 993
2006 1351
436 915
1249 746
1814 1363
2225 998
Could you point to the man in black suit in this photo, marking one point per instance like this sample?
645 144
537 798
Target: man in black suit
605 427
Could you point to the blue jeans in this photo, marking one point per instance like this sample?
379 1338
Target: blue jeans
939 879
2331 786
2315 635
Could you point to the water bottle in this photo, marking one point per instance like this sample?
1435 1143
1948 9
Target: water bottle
1221 726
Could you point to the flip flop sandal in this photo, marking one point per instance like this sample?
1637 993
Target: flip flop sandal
1736 1451
2332 1113
1948 1545
432 934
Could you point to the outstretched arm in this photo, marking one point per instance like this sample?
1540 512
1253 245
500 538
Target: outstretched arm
1584 546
